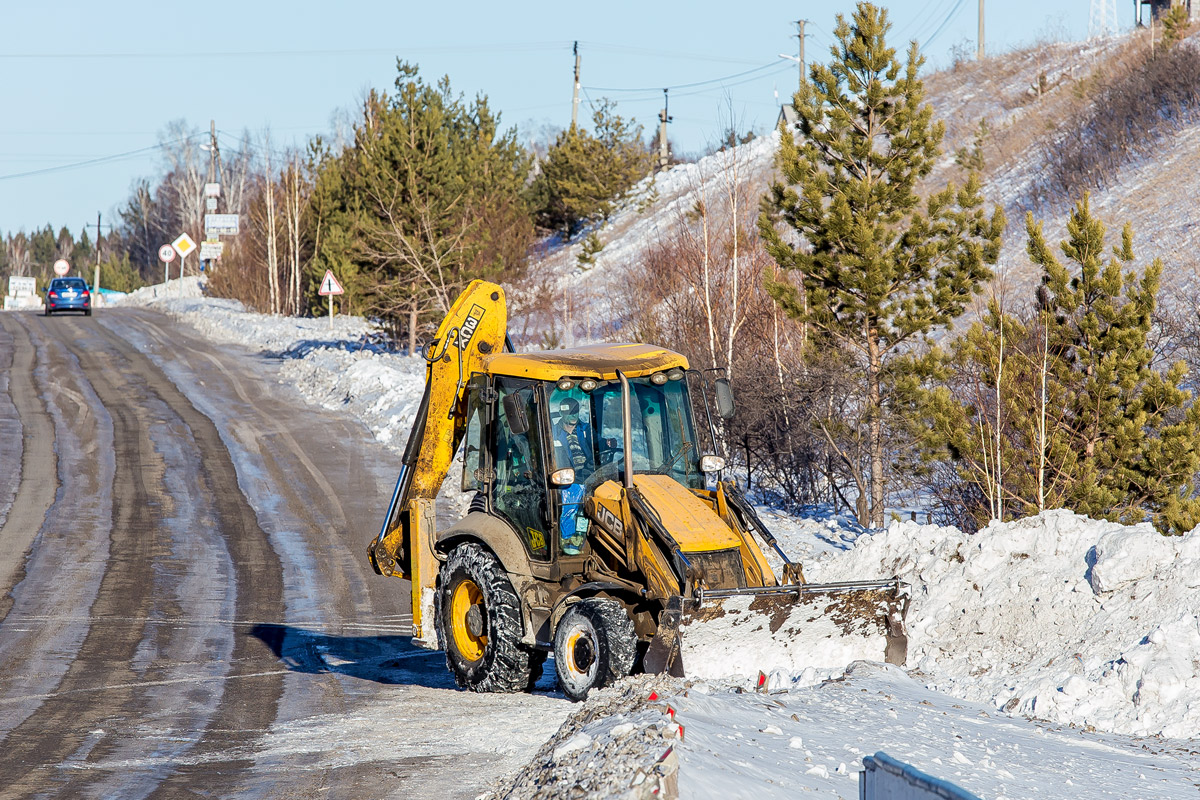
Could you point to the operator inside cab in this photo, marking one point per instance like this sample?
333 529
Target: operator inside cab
573 447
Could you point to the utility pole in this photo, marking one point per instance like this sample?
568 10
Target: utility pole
979 52
800 23
96 284
664 157
575 97
213 146
212 188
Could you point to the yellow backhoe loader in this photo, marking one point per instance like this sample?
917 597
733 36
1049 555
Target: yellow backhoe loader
600 529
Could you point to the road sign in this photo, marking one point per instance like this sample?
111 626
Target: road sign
221 223
210 204
183 245
166 253
61 267
21 286
212 190
330 285
211 250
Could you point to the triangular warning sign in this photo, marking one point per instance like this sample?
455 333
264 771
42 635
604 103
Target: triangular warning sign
330 285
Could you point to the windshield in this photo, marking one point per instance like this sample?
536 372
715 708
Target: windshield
588 434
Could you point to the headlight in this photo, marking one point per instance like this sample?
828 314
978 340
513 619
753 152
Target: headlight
566 385
675 374
587 384
562 477
658 378
711 463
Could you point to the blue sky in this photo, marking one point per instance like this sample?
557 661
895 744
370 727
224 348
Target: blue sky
99 82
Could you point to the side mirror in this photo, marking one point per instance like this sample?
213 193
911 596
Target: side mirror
514 415
725 407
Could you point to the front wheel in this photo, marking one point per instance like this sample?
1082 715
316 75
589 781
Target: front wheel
594 646
479 623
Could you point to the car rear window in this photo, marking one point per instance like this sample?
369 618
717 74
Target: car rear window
70 283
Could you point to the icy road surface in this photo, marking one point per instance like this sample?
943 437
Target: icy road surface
185 603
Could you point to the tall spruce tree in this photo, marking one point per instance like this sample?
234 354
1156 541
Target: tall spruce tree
872 270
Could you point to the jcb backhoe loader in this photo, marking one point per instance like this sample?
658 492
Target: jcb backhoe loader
600 529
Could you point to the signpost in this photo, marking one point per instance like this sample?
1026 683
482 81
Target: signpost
61 267
330 287
210 251
183 245
166 254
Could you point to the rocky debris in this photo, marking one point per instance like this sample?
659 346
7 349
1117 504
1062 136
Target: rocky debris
619 745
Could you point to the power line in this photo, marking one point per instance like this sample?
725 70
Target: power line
949 18
654 52
95 161
485 47
779 67
687 85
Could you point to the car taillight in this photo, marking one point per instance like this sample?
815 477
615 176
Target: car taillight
85 292
54 294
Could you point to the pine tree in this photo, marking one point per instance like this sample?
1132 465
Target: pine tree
585 174
1132 426
877 272
1175 25
1075 415
429 196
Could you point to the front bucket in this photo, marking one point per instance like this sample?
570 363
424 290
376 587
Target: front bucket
744 631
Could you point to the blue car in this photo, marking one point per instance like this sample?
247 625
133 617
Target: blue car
68 294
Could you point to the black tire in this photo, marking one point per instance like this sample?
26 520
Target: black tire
46 311
594 646
479 623
87 312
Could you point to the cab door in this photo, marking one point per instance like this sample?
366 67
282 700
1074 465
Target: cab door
519 492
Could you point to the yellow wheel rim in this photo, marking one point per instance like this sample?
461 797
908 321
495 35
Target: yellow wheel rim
466 596
580 653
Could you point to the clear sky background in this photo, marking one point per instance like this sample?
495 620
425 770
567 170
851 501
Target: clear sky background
87 90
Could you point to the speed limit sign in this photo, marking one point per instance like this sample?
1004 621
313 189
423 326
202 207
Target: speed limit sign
166 253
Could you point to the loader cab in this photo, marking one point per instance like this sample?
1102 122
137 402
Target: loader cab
539 443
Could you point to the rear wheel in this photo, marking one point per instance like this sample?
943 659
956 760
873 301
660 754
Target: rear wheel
87 312
595 645
479 623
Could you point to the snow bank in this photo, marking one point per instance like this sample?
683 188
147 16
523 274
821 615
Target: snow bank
1057 617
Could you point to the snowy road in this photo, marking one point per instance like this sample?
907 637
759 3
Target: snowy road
186 604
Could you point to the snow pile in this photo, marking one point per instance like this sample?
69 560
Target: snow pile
619 744
810 741
1057 617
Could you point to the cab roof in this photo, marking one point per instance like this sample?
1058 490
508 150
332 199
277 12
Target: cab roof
599 361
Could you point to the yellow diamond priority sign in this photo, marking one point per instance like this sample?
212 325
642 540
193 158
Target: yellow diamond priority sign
183 245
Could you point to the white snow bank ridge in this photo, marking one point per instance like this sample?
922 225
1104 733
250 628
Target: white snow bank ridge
1057 617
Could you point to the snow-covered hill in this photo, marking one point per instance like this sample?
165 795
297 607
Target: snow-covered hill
1158 195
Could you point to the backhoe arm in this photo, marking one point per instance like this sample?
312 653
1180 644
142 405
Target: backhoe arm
474 328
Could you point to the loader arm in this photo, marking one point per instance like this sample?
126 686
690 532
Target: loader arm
474 328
